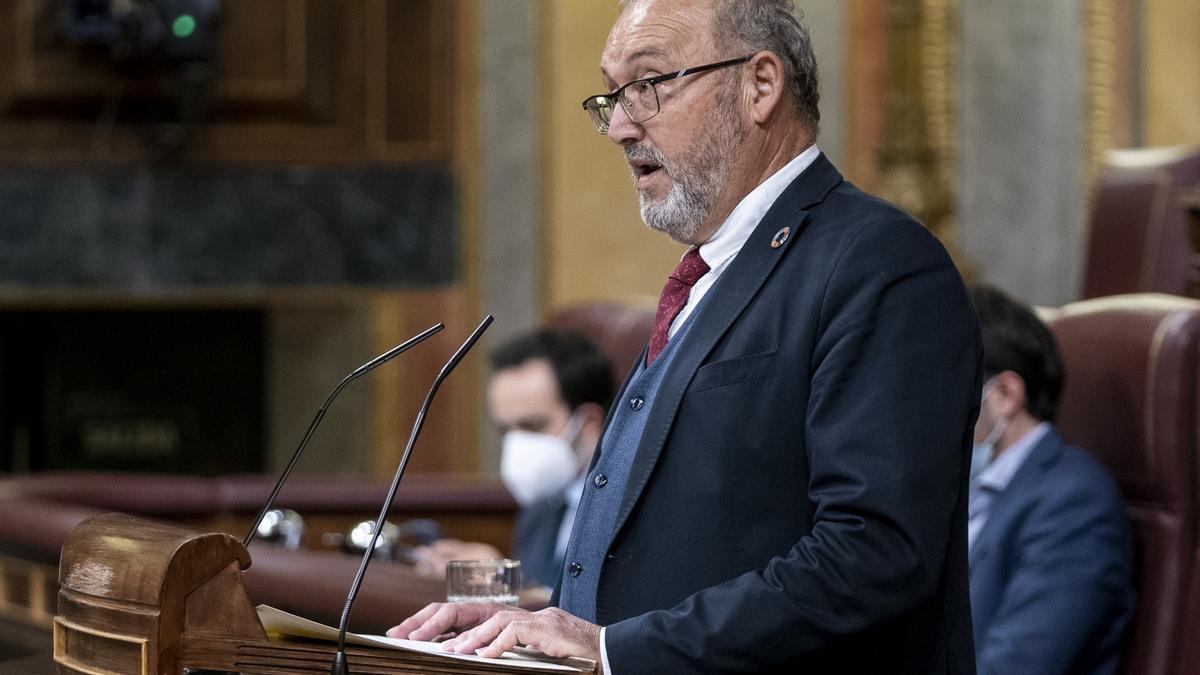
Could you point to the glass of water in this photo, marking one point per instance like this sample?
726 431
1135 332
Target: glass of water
483 581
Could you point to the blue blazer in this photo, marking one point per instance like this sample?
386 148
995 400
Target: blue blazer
797 502
1052 568
535 538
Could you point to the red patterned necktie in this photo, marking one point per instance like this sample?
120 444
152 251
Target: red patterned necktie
674 297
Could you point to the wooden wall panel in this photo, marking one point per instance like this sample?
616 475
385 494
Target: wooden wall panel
298 81
1172 70
585 181
341 84
449 441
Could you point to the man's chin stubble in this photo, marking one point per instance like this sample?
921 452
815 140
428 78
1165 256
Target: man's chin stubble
683 234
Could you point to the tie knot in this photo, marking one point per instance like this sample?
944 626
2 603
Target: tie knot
691 268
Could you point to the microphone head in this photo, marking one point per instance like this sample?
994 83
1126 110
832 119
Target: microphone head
395 351
359 538
281 526
466 346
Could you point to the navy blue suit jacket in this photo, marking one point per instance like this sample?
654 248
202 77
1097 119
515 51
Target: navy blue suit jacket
797 502
1051 569
536 537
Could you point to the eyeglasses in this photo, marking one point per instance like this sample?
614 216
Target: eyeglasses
639 98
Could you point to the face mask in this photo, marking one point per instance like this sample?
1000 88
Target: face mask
982 453
534 466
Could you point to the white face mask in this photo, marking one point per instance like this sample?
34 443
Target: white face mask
982 453
534 466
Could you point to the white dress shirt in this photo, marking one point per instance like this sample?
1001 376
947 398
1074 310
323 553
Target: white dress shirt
723 247
571 495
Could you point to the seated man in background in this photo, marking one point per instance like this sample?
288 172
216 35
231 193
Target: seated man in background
1050 548
548 395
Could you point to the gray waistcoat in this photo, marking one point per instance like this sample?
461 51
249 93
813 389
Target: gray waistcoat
593 529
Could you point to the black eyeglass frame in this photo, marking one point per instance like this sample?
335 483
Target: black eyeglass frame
654 81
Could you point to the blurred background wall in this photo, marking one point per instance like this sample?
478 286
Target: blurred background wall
194 249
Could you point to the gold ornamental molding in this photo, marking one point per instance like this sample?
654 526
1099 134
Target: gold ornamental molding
917 165
1100 63
939 79
917 160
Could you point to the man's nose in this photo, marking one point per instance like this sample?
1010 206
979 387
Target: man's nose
622 130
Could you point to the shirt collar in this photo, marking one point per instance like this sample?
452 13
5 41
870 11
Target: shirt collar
1000 473
574 491
736 229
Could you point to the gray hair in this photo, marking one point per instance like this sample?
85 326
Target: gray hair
750 26
775 26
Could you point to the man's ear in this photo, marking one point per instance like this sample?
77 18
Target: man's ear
767 85
593 418
1010 394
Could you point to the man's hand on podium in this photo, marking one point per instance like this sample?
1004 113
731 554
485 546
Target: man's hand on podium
489 629
441 618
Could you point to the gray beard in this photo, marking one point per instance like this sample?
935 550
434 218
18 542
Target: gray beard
696 177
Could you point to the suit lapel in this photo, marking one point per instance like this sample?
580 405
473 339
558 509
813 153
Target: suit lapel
1004 505
722 305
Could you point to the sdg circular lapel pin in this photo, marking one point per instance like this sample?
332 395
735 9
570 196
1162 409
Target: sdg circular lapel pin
781 237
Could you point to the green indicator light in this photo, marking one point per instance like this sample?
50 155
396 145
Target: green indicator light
184 25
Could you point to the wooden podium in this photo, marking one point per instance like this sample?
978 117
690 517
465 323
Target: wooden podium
136 596
142 597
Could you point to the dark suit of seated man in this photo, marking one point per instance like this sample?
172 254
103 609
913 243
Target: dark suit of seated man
1049 542
548 395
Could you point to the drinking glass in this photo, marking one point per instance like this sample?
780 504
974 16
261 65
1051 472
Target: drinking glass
483 581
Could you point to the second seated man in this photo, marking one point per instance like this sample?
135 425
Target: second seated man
1051 551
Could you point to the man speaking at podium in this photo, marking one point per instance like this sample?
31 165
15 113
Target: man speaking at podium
781 486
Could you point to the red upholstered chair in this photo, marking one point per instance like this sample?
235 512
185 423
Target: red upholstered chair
620 331
1146 203
1191 657
1132 371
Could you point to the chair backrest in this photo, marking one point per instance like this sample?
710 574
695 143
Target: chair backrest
620 331
1130 397
1191 639
1140 229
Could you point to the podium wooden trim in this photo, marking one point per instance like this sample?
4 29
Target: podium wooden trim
61 628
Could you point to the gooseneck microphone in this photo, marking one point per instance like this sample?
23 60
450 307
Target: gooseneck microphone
340 666
357 373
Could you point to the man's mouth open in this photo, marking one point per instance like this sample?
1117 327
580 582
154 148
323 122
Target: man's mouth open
643 169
